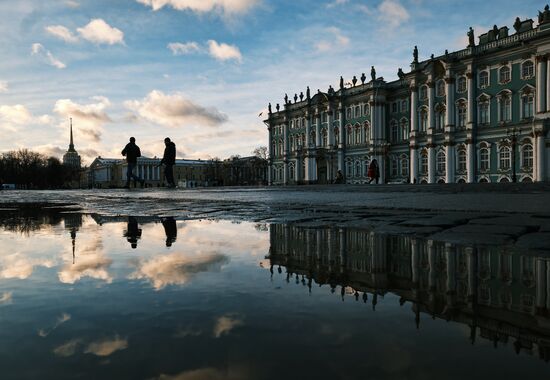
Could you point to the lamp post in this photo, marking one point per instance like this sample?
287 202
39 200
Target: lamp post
513 134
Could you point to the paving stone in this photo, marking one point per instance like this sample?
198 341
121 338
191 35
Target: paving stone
516 220
472 238
537 241
394 229
513 231
437 221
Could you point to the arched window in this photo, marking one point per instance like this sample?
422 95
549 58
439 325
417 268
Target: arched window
423 120
504 74
349 168
349 135
461 113
366 109
440 159
484 159
527 156
357 134
394 131
404 165
292 171
394 169
505 106
461 85
527 70
366 163
281 147
366 128
404 106
405 129
504 154
461 161
358 168
337 136
313 138
324 117
274 149
527 103
292 143
440 88
484 79
423 92
439 117
484 109
324 137
424 162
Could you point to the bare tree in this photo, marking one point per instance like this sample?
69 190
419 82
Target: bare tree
260 152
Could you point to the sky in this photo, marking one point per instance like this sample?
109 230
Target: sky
202 71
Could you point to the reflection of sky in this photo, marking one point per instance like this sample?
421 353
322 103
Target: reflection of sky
204 309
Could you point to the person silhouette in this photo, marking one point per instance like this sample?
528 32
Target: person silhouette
133 232
169 160
131 151
171 230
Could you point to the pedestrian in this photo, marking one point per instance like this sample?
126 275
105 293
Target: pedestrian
169 160
132 152
339 178
373 172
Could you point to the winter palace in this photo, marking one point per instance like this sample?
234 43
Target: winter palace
481 114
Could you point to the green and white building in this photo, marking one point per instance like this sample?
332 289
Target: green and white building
481 114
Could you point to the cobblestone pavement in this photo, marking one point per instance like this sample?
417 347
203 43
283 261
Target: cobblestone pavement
511 215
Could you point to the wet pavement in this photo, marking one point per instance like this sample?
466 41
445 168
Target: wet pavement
272 284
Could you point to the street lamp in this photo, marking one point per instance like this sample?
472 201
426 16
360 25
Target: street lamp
513 134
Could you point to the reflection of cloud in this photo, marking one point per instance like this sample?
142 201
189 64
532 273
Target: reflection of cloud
93 265
225 324
19 266
106 347
60 320
67 349
207 374
177 269
6 298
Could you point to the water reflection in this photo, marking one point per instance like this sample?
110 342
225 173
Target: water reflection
499 294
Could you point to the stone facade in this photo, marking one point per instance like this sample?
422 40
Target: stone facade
481 114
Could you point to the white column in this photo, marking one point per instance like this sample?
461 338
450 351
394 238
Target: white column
541 84
431 163
286 150
342 138
450 163
471 97
330 127
450 94
470 159
547 81
431 106
414 164
318 130
308 142
539 157
414 106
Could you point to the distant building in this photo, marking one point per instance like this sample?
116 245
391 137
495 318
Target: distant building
480 114
71 158
244 171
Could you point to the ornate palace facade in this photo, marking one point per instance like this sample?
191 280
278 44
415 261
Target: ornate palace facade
481 114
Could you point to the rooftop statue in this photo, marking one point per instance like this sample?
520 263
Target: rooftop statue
341 83
301 96
295 98
286 98
400 73
308 93
471 38
330 90
277 107
354 80
544 17
415 54
373 73
269 108
363 78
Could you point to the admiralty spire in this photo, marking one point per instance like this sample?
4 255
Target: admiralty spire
71 157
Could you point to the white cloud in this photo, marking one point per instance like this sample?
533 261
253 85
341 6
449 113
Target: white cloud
3 86
72 3
106 347
393 13
39 50
99 32
225 324
224 52
62 33
337 40
174 110
223 7
179 48
13 117
337 3
87 118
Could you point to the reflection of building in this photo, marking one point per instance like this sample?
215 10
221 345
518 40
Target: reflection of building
111 173
71 157
503 294
447 120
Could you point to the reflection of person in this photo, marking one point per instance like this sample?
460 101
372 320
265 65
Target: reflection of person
133 232
132 152
171 230
339 177
169 160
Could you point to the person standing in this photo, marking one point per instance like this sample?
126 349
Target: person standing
131 151
374 172
169 160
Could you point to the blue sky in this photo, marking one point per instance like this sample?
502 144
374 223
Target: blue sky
201 71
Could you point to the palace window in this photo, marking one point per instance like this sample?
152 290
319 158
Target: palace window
505 107
461 114
313 138
324 137
394 167
440 88
484 110
527 156
366 163
394 131
424 163
292 143
423 120
281 146
357 111
324 117
484 159
337 115
504 75
404 106
357 134
349 136
292 171
504 158
337 136
440 159
349 168
366 129
366 109
440 117
348 113
461 85
423 92
527 70
461 160
358 168
527 104
274 149
405 129
404 166
484 79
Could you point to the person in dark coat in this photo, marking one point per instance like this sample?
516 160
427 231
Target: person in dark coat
133 232
339 178
171 230
373 172
169 160
131 151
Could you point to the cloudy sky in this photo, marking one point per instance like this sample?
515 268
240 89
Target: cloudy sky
201 71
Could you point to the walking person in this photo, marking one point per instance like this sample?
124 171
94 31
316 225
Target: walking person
169 160
131 151
373 172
